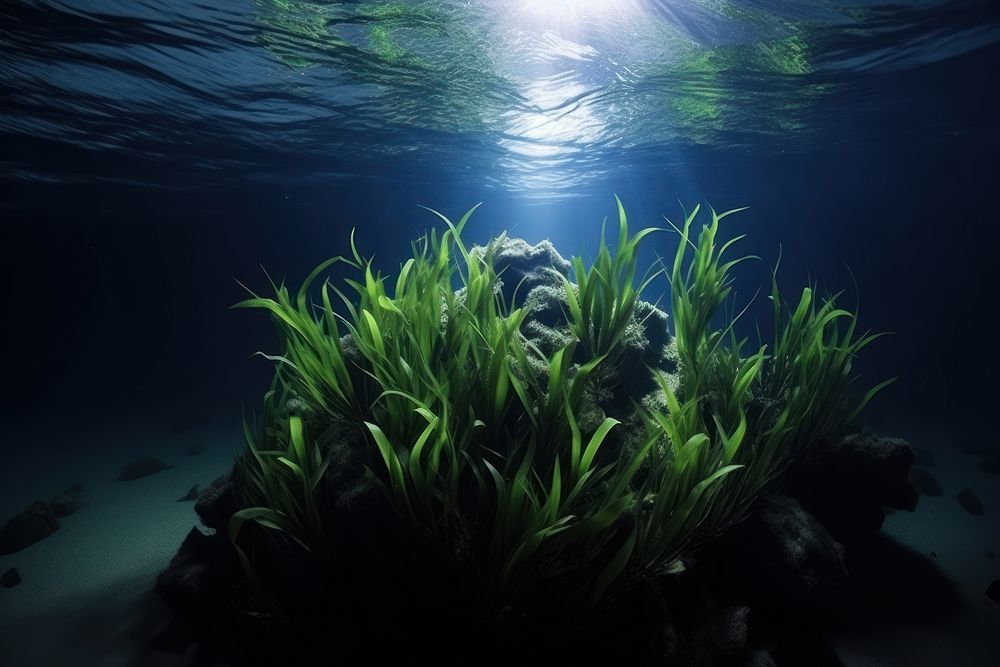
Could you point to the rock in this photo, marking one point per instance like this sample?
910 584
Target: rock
925 457
35 523
648 348
636 630
197 580
217 503
846 484
990 554
546 325
10 578
68 502
530 277
759 658
294 577
990 464
967 499
77 488
722 639
194 450
523 267
655 325
547 305
993 591
785 557
925 482
806 562
191 495
646 345
141 468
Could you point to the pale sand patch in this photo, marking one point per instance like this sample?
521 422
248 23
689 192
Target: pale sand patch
971 636
86 598
87 594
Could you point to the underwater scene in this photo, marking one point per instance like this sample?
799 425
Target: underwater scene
500 332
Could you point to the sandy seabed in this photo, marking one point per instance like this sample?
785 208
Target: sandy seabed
86 596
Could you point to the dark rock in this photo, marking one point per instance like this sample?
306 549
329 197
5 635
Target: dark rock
785 557
194 450
295 578
546 324
647 347
655 325
967 499
646 344
77 488
636 630
523 266
891 580
661 636
759 658
993 591
532 276
191 495
925 457
10 578
990 554
990 464
548 305
846 484
925 482
722 639
217 503
35 523
810 561
67 502
197 581
141 468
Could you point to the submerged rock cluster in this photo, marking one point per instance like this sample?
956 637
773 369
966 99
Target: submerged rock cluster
741 598
39 520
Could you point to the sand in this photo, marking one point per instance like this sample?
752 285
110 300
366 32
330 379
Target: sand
87 599
961 543
86 596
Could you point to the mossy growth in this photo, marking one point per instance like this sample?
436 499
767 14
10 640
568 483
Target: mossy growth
475 435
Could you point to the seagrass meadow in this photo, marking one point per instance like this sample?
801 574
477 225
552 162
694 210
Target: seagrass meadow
538 457
654 333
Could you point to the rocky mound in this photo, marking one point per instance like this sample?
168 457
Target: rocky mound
743 598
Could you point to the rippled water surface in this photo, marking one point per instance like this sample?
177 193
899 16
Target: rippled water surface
153 151
541 98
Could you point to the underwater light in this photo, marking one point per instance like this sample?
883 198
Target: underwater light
572 11
563 74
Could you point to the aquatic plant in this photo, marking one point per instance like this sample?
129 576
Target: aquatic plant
602 303
475 434
738 417
279 475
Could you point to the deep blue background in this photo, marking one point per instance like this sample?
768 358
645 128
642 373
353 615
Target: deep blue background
115 296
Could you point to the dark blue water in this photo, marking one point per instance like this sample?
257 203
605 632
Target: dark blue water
155 153
152 153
